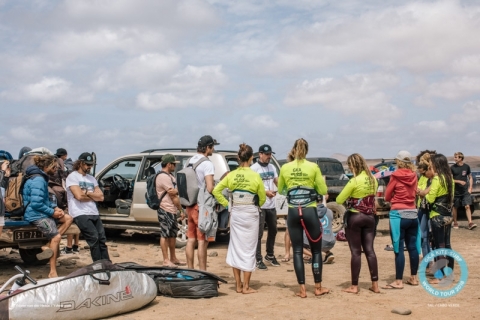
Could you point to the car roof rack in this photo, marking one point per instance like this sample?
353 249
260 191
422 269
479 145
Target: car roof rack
171 149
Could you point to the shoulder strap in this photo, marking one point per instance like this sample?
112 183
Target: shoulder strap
165 192
196 164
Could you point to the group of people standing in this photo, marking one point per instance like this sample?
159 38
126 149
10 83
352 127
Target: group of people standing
54 197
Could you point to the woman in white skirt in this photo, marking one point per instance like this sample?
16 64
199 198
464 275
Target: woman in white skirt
247 195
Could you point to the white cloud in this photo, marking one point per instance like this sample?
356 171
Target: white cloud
191 87
252 98
359 94
22 133
453 88
406 36
77 130
49 90
260 122
470 114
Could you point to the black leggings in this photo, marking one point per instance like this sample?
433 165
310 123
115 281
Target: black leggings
360 233
441 237
295 229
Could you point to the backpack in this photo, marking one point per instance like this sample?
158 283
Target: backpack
153 201
187 183
13 194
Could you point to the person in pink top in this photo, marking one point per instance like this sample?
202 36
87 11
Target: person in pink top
404 228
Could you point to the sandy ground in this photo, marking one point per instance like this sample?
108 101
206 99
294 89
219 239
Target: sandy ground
277 285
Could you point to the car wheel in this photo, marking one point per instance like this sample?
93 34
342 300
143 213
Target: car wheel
338 212
114 232
182 234
29 256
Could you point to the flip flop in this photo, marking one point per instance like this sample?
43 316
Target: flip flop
412 283
389 286
285 259
180 263
172 266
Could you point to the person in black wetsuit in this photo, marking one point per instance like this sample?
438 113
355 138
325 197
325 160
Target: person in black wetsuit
301 180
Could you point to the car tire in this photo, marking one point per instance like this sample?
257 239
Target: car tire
182 235
114 232
29 256
338 212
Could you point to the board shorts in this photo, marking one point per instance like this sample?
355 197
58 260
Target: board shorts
168 224
462 200
193 232
47 226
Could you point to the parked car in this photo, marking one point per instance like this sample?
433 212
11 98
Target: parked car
20 234
123 183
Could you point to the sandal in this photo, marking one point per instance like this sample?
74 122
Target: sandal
412 283
285 259
389 286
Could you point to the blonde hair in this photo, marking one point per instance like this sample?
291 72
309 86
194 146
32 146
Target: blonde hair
404 165
459 154
425 161
358 164
299 150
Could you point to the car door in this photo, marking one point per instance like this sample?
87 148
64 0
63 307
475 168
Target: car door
140 210
117 182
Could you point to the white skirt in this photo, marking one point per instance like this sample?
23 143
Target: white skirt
243 237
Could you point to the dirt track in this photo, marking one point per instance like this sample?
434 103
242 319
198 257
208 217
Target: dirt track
277 285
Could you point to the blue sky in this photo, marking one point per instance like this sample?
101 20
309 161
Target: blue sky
118 77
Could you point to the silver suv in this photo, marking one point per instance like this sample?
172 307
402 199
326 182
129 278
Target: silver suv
124 183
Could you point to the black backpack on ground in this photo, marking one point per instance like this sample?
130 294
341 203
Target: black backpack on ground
180 283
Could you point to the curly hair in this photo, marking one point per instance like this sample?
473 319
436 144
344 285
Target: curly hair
299 150
404 165
44 161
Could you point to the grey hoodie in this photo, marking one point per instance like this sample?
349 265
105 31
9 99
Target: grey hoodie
326 217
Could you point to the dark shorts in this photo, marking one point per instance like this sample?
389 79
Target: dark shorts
47 226
462 200
168 224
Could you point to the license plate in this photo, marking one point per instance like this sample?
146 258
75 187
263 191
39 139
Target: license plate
25 235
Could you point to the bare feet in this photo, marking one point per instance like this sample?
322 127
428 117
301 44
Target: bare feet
301 294
248 290
376 290
286 259
321 291
351 289
179 263
53 275
434 281
239 287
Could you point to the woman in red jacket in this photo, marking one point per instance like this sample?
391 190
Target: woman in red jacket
401 192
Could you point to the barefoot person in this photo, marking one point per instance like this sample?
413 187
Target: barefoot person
302 181
360 221
248 194
401 193
440 197
167 192
40 211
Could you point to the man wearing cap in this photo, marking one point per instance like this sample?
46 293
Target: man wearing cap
82 193
167 213
268 213
205 204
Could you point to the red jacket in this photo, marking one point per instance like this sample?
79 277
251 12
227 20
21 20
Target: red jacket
401 189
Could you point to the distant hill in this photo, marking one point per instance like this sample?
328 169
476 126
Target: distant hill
472 161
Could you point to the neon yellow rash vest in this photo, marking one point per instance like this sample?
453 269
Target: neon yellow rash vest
244 179
358 187
301 173
436 190
422 185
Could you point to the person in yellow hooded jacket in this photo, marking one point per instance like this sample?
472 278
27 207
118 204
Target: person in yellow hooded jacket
247 196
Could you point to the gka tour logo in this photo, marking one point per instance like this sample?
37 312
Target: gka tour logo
442 284
97 301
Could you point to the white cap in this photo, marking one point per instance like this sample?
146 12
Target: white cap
402 155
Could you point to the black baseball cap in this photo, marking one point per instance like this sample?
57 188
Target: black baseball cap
61 152
207 141
87 158
265 148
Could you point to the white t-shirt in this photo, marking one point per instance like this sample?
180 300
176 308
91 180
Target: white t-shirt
268 175
77 208
204 169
